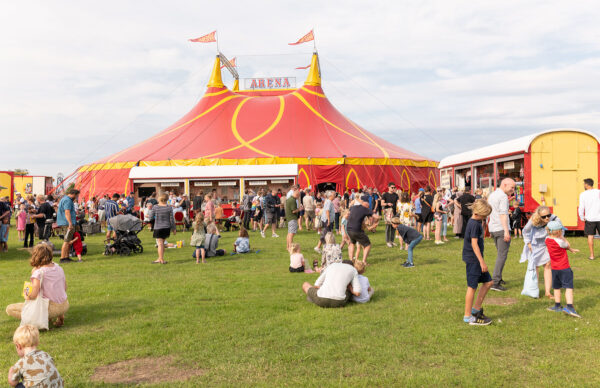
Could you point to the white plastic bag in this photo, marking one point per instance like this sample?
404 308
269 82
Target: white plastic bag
35 312
530 285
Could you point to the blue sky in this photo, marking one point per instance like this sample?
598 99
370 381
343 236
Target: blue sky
81 80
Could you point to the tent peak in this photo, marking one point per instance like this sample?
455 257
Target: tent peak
314 74
215 80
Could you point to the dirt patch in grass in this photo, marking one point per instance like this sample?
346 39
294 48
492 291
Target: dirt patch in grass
145 370
500 301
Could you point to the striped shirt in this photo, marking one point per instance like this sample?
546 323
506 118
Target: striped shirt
111 209
163 217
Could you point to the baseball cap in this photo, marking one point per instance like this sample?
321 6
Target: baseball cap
554 225
421 189
364 198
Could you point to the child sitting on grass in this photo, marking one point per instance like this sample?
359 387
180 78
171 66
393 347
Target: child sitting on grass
366 292
242 244
562 275
477 270
198 235
332 253
296 259
35 368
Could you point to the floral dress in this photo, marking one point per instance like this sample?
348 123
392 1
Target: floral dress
332 253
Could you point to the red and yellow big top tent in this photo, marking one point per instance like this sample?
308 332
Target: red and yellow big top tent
293 126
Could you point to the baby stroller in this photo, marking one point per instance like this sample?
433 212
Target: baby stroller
126 229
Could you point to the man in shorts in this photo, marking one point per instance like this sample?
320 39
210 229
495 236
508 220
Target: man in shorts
331 288
291 215
309 209
355 230
272 205
589 212
66 219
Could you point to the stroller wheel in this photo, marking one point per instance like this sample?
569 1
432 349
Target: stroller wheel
124 251
138 248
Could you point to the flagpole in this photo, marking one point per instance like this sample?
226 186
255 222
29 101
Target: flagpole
314 40
217 39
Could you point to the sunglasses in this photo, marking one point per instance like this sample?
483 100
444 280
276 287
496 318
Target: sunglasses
546 216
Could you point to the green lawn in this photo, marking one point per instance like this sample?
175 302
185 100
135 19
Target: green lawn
244 320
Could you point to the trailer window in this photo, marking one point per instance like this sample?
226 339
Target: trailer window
485 176
514 169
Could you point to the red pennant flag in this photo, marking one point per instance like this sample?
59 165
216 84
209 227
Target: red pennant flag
306 38
205 38
232 63
302 68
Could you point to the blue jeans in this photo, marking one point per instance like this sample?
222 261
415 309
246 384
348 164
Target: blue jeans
444 224
411 246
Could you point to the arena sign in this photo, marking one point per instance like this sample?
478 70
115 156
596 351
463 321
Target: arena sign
270 83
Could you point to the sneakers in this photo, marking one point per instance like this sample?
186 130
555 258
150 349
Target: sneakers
66 260
262 234
317 250
502 282
439 242
389 245
274 235
556 309
571 311
498 287
479 319
408 265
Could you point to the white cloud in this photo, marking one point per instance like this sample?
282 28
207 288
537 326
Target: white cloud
450 74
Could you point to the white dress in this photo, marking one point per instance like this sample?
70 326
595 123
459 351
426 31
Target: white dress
537 238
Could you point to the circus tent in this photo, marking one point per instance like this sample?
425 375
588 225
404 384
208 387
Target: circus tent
296 127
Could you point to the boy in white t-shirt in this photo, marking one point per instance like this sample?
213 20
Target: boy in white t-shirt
366 291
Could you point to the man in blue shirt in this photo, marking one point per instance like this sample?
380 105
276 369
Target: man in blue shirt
130 202
66 218
111 209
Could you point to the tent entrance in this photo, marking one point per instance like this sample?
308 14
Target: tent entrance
326 186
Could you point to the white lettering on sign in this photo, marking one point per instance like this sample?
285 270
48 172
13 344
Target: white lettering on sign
258 183
228 183
203 183
270 83
273 181
169 184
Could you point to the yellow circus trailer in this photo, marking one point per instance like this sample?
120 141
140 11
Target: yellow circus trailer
549 168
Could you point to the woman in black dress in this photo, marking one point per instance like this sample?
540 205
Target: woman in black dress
426 212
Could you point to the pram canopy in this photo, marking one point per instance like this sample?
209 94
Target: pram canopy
125 222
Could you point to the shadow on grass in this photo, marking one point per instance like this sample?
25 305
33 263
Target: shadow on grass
587 303
94 313
585 283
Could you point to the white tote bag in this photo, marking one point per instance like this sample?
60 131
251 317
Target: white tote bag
35 312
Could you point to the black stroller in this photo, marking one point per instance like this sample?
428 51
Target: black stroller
126 228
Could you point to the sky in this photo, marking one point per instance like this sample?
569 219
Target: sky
82 80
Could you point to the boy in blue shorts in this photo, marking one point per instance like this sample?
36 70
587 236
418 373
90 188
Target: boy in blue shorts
562 274
477 270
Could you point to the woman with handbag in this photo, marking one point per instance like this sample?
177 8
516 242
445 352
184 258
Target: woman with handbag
47 282
536 253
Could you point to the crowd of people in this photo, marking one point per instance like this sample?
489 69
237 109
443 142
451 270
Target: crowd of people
351 216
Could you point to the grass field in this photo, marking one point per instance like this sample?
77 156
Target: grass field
243 320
